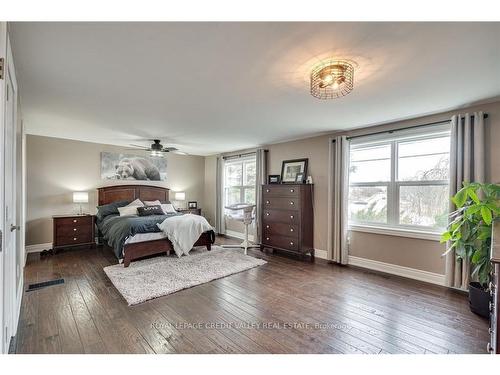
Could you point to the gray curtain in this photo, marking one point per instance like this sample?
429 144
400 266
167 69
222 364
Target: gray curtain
466 165
220 226
261 167
338 190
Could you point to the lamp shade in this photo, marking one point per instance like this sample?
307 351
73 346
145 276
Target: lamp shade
80 197
180 196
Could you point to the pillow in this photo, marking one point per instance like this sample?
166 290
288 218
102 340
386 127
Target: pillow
109 209
150 210
152 203
168 208
136 203
127 210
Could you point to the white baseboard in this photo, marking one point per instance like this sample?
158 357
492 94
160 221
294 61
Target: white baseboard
241 236
411 273
318 253
37 248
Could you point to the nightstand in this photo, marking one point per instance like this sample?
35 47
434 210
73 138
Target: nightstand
73 230
194 211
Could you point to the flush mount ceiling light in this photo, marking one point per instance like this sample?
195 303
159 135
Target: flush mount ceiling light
332 79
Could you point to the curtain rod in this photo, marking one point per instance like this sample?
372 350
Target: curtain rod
408 127
240 155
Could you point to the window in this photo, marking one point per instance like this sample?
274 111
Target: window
239 181
401 182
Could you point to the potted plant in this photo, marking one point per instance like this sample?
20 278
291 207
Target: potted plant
469 234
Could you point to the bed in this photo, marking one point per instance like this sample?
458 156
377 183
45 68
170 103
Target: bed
149 240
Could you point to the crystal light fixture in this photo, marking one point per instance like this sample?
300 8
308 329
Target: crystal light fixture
332 79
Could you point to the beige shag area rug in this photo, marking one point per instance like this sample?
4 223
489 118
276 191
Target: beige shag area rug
156 277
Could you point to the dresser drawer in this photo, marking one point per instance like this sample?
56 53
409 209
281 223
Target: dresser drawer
280 216
280 202
283 242
280 190
73 221
273 229
73 230
74 240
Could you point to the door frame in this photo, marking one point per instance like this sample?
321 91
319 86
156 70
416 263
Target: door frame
9 293
3 54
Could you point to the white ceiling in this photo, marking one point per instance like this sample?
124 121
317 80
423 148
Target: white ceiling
214 87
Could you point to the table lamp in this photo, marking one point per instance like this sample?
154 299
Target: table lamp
180 196
80 197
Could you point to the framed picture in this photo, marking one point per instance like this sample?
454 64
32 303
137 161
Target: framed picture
274 179
115 166
193 204
291 168
299 178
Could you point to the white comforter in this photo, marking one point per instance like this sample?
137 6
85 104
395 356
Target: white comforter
183 231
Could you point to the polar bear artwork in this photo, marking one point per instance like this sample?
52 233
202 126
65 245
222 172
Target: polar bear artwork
127 167
138 168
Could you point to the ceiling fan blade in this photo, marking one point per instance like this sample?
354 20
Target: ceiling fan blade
180 152
141 147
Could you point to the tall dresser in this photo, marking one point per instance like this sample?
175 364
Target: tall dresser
287 218
494 344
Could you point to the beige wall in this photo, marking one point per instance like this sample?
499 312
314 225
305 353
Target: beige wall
408 252
57 167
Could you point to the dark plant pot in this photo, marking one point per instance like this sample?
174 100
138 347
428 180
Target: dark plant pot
479 299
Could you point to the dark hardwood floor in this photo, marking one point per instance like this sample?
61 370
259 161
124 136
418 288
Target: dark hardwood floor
285 306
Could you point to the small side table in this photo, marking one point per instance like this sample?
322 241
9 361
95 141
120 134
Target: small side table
73 230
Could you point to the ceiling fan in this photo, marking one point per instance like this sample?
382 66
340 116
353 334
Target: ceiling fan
157 149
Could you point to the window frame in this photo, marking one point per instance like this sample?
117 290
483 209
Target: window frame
393 186
243 161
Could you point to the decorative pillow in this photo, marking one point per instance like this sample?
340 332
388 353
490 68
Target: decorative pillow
153 203
109 209
168 208
150 210
128 210
136 203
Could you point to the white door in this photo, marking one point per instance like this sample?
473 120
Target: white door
10 217
3 54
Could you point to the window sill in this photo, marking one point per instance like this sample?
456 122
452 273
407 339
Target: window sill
399 232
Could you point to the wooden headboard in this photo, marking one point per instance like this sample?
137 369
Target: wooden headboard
109 194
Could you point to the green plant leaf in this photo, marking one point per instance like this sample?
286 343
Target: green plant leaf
460 197
472 194
476 256
446 236
486 214
472 210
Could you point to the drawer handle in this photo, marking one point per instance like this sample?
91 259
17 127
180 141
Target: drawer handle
74 238
291 216
267 238
75 221
267 213
74 229
267 202
291 229
291 243
267 190
292 190
291 203
267 226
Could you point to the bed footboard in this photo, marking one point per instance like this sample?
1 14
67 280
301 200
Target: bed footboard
137 250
